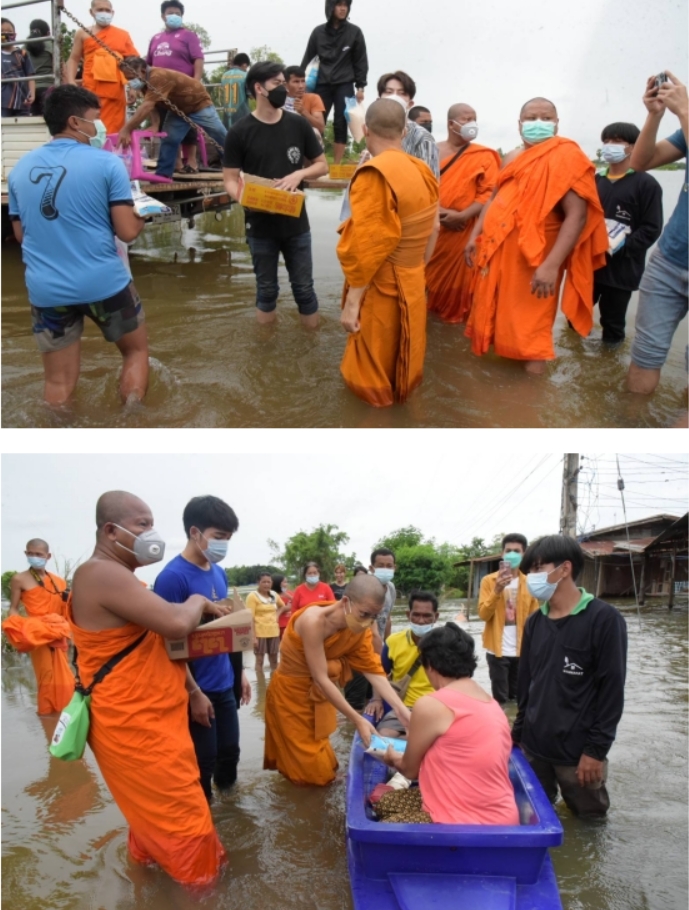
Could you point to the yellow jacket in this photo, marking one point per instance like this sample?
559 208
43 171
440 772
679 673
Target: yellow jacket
491 609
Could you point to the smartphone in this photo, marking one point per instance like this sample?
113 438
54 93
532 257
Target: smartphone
505 566
660 78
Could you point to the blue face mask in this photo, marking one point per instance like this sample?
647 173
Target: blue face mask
174 21
613 153
512 558
36 562
312 579
216 550
136 84
97 141
103 18
540 587
538 130
421 630
384 575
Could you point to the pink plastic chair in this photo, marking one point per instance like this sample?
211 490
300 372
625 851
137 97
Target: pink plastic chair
137 170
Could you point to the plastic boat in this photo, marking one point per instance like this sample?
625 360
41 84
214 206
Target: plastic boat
468 867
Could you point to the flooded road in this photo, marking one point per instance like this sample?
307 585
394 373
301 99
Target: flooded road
212 366
64 841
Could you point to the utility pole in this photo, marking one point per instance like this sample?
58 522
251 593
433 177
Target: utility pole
570 485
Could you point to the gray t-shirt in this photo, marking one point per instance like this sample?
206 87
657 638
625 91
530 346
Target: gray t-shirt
390 598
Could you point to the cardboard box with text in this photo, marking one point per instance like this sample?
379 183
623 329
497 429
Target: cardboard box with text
234 632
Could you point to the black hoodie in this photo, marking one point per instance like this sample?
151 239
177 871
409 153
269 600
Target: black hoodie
341 51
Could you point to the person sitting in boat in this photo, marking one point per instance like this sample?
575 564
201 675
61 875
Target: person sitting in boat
459 739
401 659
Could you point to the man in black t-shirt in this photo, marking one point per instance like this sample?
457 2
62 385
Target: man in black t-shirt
571 678
635 200
273 143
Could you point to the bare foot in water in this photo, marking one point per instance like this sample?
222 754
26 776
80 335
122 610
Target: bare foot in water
537 367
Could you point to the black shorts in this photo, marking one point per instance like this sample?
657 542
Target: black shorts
58 327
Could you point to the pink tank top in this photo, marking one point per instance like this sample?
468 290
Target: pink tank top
463 776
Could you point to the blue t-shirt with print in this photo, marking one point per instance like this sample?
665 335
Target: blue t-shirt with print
673 241
62 193
176 583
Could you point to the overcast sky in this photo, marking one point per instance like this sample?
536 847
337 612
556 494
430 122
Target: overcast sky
449 494
591 57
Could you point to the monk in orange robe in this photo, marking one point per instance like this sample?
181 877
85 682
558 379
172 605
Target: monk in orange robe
320 648
101 74
382 250
468 174
139 729
544 219
44 631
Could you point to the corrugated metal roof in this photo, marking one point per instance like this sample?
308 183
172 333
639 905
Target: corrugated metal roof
608 547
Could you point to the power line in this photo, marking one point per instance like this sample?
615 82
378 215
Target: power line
620 487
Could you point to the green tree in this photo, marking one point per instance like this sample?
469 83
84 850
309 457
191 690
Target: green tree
66 41
264 53
217 74
203 35
322 545
402 537
420 566
6 578
247 575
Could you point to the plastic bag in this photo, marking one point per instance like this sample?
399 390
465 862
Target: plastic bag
123 253
144 205
312 75
69 739
355 115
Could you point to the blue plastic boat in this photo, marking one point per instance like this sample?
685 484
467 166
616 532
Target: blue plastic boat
442 867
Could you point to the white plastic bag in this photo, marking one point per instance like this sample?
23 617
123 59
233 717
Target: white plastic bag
355 114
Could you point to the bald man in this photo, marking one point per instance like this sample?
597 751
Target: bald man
44 631
101 74
468 174
543 220
383 248
321 647
139 712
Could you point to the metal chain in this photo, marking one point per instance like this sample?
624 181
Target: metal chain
166 101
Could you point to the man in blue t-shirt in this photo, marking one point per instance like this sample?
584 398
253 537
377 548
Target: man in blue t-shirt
215 684
68 201
663 289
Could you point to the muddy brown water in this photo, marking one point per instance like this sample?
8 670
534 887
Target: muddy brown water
64 840
212 366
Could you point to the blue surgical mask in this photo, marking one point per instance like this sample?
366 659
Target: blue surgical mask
216 550
421 630
514 559
384 575
538 130
97 141
136 84
36 562
613 153
104 18
312 579
540 587
174 21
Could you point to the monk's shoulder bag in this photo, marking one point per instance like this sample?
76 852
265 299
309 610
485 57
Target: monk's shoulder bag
69 739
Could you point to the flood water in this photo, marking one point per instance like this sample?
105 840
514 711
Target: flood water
212 366
64 841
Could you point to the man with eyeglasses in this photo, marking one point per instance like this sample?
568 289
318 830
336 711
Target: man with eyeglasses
284 149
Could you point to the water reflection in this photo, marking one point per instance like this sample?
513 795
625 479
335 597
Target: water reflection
212 366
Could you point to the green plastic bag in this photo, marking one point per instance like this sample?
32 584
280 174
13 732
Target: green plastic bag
69 739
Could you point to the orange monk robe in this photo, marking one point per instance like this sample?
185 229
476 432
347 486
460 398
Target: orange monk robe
103 77
394 203
519 230
299 719
470 179
140 737
44 633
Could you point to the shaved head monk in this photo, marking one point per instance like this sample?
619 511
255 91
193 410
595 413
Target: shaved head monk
139 730
383 248
101 74
468 174
44 631
544 219
321 647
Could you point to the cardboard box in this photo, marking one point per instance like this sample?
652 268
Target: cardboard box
342 171
234 632
260 194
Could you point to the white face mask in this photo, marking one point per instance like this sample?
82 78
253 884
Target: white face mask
312 579
103 18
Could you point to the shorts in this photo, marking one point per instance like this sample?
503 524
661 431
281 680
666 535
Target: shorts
57 327
269 646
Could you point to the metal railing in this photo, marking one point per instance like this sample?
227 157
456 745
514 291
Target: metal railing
54 38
